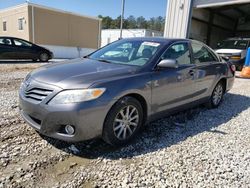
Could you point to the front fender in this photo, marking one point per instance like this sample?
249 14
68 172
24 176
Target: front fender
137 84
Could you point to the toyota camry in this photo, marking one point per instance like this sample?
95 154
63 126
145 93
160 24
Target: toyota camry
113 92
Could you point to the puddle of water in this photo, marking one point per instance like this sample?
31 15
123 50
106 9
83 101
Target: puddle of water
64 166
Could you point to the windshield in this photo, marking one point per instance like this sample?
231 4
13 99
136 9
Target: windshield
233 44
129 52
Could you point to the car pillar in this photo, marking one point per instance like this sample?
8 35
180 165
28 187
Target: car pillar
245 73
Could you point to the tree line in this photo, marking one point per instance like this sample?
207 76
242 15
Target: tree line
131 22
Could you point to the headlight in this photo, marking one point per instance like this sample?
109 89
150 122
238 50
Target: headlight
75 96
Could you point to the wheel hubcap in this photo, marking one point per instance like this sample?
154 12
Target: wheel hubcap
126 122
217 96
44 57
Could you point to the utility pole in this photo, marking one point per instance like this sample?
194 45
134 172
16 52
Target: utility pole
122 17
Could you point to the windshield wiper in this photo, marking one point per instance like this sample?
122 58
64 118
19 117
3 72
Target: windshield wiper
86 56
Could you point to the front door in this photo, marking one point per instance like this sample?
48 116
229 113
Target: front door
24 49
172 87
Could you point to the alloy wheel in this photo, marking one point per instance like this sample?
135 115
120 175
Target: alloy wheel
44 57
217 95
126 122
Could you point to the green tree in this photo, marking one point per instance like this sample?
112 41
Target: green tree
106 21
155 23
141 23
131 22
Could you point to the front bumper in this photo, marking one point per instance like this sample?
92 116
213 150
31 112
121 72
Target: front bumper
86 117
51 55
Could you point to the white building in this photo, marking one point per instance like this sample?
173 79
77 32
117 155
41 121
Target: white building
111 35
209 21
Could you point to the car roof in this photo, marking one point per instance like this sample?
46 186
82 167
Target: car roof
165 41
7 37
10 37
157 39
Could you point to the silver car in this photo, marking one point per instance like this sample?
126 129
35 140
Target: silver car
112 93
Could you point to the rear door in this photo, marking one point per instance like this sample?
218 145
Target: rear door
25 49
172 87
208 68
7 50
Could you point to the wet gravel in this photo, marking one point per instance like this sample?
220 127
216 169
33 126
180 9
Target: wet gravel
195 148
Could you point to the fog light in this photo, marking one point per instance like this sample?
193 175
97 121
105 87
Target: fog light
69 129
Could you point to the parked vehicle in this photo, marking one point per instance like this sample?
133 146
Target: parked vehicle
112 96
235 50
15 48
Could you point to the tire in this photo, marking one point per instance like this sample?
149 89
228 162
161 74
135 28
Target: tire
120 127
217 96
34 60
44 57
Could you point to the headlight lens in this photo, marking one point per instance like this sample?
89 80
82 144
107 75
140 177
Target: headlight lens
75 96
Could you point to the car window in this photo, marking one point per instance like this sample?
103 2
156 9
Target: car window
19 42
134 52
180 52
120 51
202 54
5 41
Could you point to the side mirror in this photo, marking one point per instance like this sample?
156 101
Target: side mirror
168 63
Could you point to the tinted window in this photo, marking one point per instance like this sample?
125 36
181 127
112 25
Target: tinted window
202 54
180 52
18 42
134 52
5 41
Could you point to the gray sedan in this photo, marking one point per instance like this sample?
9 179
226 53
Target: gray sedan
116 90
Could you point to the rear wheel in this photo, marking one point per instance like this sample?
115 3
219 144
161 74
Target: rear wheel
216 96
123 121
44 57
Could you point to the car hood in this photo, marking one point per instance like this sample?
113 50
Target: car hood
228 51
80 73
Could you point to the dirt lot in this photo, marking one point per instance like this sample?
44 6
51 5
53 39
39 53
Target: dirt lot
196 148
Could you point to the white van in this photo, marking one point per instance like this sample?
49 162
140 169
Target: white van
235 49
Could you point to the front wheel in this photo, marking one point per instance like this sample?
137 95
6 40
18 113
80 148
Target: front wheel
216 96
123 121
44 57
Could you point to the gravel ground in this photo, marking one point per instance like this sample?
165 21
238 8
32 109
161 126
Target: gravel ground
196 148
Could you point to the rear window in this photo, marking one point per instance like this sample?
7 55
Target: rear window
233 44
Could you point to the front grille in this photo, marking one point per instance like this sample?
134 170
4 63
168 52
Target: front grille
37 94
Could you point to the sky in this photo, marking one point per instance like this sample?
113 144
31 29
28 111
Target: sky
112 8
